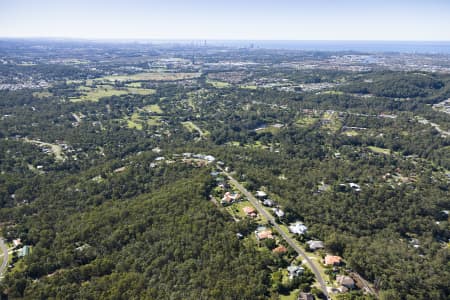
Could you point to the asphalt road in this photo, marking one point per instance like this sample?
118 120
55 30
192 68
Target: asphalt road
4 249
262 211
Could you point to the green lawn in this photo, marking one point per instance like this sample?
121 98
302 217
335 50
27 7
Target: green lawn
292 296
218 84
306 121
351 133
379 150
43 94
153 108
150 76
248 87
100 91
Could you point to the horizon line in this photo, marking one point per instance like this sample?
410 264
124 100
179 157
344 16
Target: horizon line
211 39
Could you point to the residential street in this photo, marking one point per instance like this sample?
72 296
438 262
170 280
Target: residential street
4 263
261 210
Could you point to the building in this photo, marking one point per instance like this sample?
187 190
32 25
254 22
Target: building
24 251
280 250
249 211
298 228
314 245
278 212
332 260
264 234
268 203
261 194
294 271
17 242
346 281
230 198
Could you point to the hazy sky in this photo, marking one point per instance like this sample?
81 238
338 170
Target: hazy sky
228 19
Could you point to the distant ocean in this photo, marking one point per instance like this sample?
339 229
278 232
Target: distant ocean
358 46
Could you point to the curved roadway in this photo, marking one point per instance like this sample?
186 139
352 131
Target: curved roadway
277 227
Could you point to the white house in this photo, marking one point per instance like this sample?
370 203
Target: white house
298 228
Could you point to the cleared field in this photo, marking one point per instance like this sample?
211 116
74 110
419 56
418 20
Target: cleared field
306 121
55 149
218 84
153 108
248 87
134 84
379 150
156 76
137 121
351 133
96 93
43 94
192 127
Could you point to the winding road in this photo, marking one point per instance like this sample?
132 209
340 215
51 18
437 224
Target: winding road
4 263
262 211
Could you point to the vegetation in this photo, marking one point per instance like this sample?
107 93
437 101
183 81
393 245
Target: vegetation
104 193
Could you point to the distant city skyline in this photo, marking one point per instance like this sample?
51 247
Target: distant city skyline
346 20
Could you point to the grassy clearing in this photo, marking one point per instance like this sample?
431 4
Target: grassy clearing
154 108
134 84
257 145
218 84
333 122
137 121
96 93
351 133
236 209
134 125
292 296
192 127
333 92
248 87
379 150
138 91
306 121
43 94
154 76
55 149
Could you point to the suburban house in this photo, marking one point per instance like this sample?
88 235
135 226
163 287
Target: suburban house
298 228
314 245
230 198
249 211
268 203
17 242
332 260
278 212
24 251
294 271
355 186
346 281
280 249
264 234
261 194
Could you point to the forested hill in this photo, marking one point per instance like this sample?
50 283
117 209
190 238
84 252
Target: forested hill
169 243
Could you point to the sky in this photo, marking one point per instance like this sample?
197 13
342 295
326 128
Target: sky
396 20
